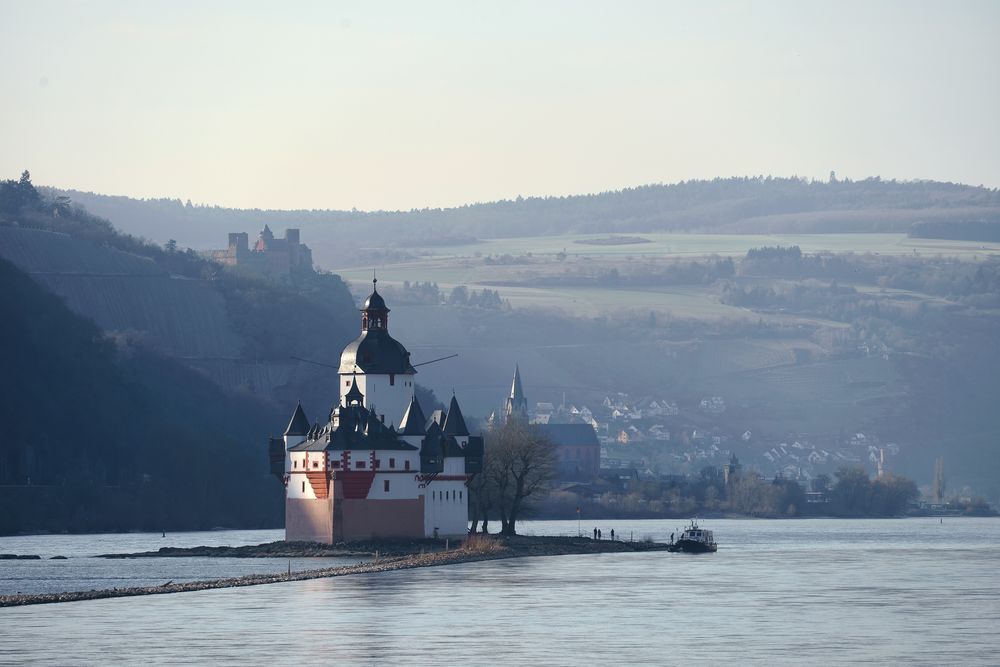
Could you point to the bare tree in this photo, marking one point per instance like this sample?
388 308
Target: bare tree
520 463
481 498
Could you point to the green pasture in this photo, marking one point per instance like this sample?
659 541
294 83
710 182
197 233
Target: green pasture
450 266
698 245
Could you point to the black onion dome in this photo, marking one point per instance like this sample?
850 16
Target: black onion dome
375 351
375 302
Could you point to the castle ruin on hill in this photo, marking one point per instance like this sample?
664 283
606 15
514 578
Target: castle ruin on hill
269 257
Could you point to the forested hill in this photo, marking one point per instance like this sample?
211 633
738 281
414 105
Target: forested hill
131 370
233 328
99 436
745 205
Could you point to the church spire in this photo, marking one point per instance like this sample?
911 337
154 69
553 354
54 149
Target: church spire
517 404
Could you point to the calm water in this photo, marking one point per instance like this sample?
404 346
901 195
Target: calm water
911 591
82 571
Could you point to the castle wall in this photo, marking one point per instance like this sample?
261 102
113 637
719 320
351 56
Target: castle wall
309 520
446 504
367 519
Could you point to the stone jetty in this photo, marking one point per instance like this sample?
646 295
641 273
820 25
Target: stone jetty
384 555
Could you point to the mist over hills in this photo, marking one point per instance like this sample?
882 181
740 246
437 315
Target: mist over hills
740 204
803 346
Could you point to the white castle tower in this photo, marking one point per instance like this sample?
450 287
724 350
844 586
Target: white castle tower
378 364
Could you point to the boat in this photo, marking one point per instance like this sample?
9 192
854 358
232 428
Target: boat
694 540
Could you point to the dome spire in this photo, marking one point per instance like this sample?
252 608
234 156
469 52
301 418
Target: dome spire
374 314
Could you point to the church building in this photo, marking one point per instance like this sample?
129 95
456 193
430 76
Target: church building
578 452
376 467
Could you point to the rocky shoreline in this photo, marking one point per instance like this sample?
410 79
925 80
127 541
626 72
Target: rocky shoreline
385 559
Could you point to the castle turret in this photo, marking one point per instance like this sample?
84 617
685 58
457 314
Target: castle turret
298 429
454 423
413 420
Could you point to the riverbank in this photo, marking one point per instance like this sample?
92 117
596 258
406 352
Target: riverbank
385 558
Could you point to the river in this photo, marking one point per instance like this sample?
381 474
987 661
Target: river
819 591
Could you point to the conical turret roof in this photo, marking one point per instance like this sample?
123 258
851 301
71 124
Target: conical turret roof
298 425
454 423
413 420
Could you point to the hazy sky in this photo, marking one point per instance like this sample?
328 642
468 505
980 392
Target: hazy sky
400 105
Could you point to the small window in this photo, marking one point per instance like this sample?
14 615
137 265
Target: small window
315 464
433 495
392 463
336 464
303 487
347 383
459 495
407 465
378 463
392 379
295 464
385 486
359 464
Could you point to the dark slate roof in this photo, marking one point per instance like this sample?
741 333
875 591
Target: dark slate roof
451 447
375 351
298 425
437 419
454 423
570 434
375 302
358 428
317 445
413 420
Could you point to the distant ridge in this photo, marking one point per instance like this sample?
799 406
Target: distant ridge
739 205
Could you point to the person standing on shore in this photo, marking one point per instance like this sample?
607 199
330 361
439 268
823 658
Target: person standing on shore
595 533
612 534
598 533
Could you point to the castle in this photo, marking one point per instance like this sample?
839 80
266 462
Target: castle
377 467
269 257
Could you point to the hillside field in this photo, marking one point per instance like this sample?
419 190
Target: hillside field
496 263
